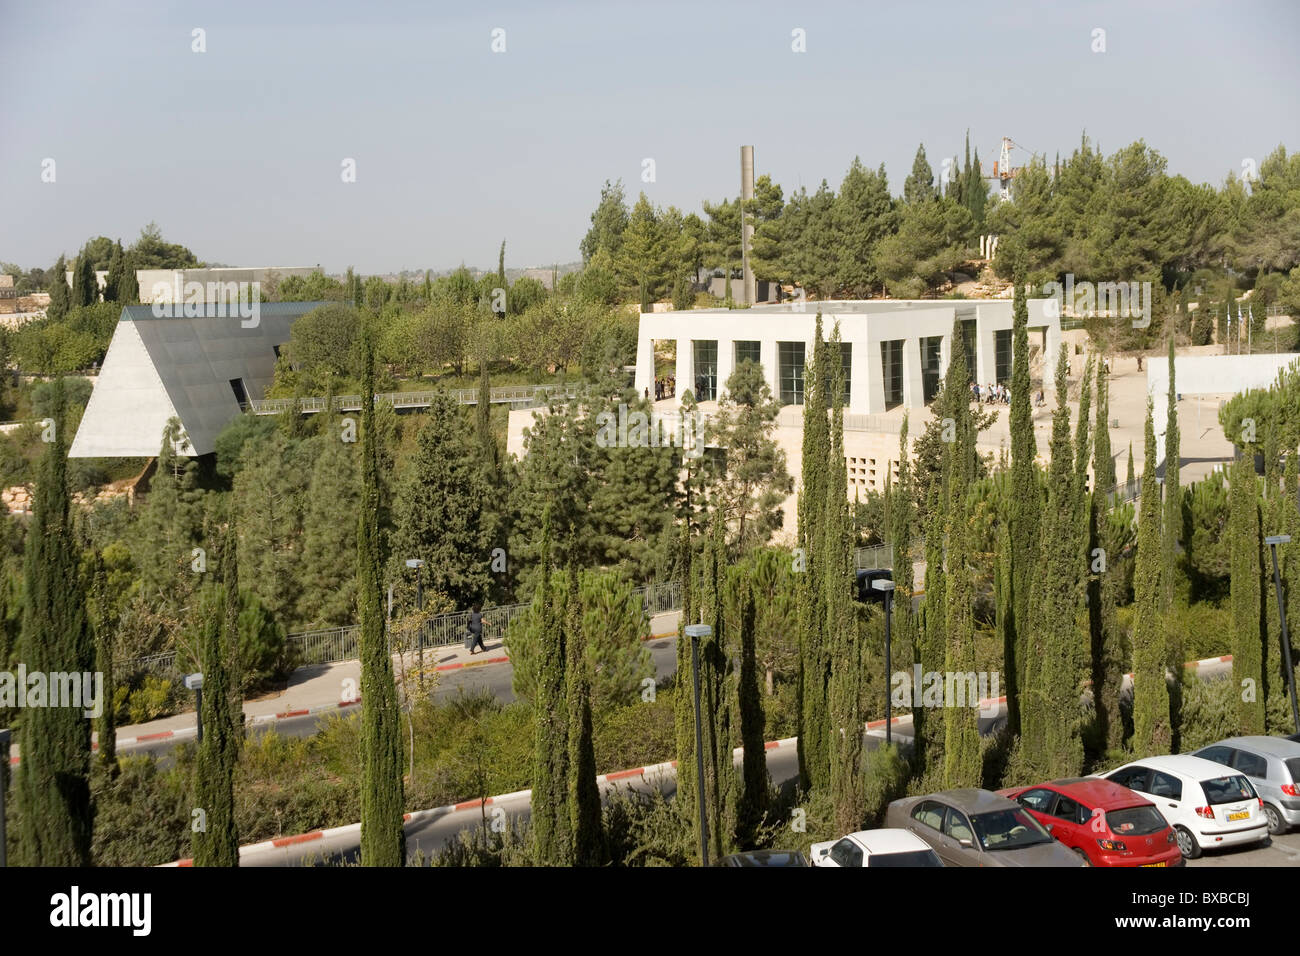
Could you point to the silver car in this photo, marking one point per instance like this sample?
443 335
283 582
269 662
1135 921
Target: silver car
1272 765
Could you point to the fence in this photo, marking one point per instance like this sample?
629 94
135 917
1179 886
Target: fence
506 394
334 644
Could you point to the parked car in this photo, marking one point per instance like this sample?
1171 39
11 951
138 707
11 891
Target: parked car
1272 765
978 828
1207 807
875 848
1104 823
763 858
867 593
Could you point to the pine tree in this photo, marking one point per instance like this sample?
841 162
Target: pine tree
584 792
1247 642
443 512
552 836
1104 587
1151 730
327 592
54 776
383 839
60 296
961 749
919 185
1024 511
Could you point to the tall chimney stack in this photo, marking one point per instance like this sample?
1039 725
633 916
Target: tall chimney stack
746 228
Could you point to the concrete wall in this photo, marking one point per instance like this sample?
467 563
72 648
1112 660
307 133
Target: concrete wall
1208 374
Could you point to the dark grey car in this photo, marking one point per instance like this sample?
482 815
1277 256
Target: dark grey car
979 828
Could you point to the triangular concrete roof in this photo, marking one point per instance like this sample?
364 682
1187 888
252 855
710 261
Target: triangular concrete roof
180 365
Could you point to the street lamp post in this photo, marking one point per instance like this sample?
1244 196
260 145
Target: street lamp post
419 607
1273 542
4 785
887 589
695 632
195 683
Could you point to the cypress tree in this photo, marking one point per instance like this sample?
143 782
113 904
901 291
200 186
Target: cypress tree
741 630
128 287
1050 715
584 792
1024 511
814 663
552 840
901 530
962 758
60 297
930 718
717 696
1173 522
1247 643
85 286
1104 586
116 272
54 776
838 581
1130 475
383 839
216 844
1151 730
684 703
101 601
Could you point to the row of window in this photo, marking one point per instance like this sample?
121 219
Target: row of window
791 365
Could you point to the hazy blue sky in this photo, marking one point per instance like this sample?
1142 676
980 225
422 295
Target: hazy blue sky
237 152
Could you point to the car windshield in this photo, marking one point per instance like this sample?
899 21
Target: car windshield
1135 821
1227 790
909 858
1008 830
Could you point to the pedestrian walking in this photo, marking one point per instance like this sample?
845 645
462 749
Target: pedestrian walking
476 630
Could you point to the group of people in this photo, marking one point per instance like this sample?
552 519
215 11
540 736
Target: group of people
665 387
990 394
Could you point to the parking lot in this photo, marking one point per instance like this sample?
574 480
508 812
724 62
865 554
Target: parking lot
1280 851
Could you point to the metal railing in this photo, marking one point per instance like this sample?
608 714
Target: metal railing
333 645
502 395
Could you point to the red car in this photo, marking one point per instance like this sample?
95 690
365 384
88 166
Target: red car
1105 823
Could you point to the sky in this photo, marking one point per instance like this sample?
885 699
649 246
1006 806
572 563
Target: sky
238 152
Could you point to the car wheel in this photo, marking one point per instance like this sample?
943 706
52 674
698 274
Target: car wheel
1083 856
1276 825
1187 843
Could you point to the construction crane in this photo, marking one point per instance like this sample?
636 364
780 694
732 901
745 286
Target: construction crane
1003 171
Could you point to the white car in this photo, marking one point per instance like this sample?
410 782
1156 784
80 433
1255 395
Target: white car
876 848
1208 805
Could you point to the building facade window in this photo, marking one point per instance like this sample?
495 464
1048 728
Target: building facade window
846 365
931 372
969 340
1002 351
790 360
891 364
749 351
706 369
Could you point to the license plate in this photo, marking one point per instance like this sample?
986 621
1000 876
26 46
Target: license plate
1153 864
1239 815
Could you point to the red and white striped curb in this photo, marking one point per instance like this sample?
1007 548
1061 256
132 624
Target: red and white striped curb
607 779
